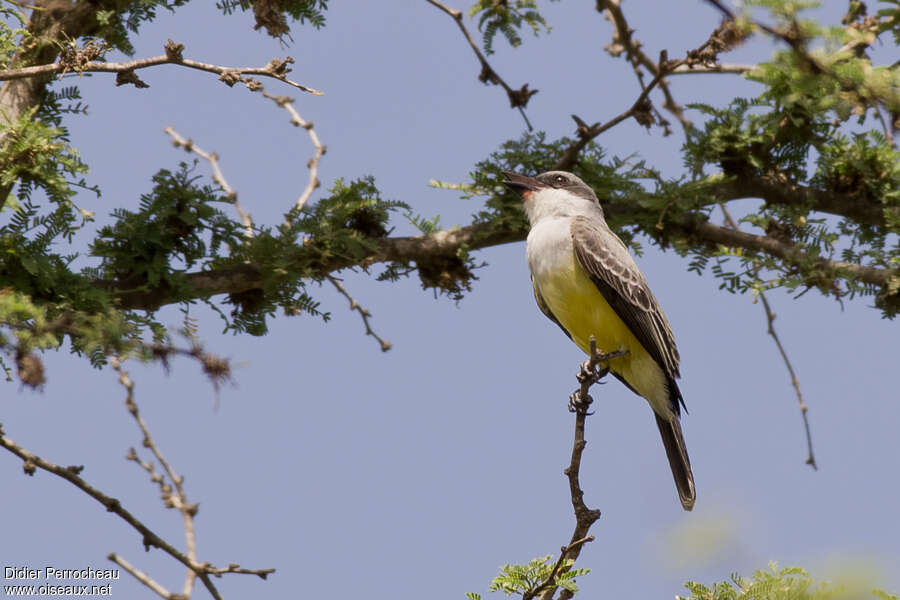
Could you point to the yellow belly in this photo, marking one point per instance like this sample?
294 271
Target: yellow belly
583 311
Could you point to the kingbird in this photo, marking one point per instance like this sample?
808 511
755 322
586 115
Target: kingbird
586 281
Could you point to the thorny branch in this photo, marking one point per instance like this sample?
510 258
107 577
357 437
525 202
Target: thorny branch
213 158
623 40
704 57
74 62
700 60
517 98
579 402
770 319
363 312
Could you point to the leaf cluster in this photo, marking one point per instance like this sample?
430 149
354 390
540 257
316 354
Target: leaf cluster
271 15
507 18
121 19
526 579
177 226
338 230
790 583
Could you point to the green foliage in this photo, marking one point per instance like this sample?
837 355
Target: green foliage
177 227
338 230
792 134
791 583
526 579
749 144
270 14
796 133
36 155
11 37
114 24
507 18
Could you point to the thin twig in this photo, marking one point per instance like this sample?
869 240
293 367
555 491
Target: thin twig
587 133
213 159
287 103
770 319
517 98
277 69
364 313
888 128
734 69
141 576
177 500
236 568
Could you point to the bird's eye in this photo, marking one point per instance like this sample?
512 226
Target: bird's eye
560 179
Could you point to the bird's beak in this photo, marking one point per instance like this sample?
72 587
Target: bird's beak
521 183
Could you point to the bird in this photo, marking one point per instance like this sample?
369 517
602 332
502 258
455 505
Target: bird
586 281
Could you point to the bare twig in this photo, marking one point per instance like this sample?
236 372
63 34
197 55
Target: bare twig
734 69
177 500
213 159
517 98
287 103
364 313
236 568
770 319
32 462
141 576
623 39
587 133
277 69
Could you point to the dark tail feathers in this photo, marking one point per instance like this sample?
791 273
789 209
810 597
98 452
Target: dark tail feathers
673 441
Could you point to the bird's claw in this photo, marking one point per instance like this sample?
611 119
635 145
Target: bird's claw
579 403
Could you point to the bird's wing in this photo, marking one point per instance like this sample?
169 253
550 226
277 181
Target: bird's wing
607 262
542 304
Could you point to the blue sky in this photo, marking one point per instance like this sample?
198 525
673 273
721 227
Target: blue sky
422 470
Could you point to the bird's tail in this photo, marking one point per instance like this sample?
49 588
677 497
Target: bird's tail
673 441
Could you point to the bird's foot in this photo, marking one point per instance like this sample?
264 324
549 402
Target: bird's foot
580 403
592 370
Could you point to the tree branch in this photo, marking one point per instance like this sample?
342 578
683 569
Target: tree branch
277 69
428 247
517 98
363 312
623 39
579 403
